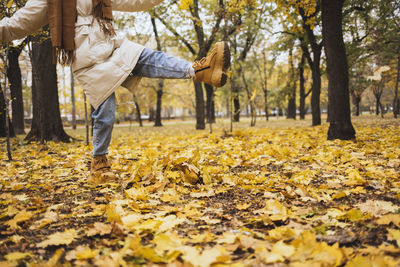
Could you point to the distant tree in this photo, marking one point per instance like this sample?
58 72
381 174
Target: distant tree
160 85
264 75
14 76
7 8
138 114
291 86
303 93
3 128
303 19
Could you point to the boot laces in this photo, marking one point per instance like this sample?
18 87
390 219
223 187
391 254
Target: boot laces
103 162
199 63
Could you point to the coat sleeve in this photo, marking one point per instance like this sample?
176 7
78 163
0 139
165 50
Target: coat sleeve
134 5
27 20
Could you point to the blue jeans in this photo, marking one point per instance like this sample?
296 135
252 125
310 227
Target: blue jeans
151 64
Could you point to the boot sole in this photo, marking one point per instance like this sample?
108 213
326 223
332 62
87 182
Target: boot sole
223 62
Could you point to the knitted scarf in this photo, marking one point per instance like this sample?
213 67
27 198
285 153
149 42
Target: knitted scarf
62 17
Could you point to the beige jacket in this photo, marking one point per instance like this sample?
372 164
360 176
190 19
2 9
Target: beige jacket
102 63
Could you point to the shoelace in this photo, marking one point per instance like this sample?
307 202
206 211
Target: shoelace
198 63
103 160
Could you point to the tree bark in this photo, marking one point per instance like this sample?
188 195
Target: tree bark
200 119
251 101
46 121
3 123
210 104
14 77
292 89
315 69
382 109
236 101
396 89
266 105
139 115
157 121
377 106
357 101
302 106
338 87
316 89
152 114
73 111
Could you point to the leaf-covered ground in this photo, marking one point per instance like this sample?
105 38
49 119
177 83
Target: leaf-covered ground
269 196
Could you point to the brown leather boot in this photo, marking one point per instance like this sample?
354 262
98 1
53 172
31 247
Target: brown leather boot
100 171
211 69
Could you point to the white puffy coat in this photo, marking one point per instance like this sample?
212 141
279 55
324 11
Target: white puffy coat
102 63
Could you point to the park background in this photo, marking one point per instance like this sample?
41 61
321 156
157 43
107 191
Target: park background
294 162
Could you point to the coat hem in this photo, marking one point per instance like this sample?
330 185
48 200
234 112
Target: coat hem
118 84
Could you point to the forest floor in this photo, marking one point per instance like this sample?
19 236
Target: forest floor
278 194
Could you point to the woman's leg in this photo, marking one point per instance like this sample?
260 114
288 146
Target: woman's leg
103 121
157 64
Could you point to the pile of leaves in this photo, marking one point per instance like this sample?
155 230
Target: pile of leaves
254 197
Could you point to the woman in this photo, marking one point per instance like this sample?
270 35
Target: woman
83 35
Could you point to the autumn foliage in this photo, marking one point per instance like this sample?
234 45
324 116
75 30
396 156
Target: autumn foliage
252 197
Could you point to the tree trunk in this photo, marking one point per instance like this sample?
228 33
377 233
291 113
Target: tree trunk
357 101
14 77
200 120
210 104
91 120
236 109
73 111
139 116
157 121
338 88
3 122
266 105
398 106
46 122
396 89
292 87
236 101
377 105
152 114
316 89
302 89
315 69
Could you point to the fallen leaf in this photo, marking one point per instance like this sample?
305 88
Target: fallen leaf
99 229
18 218
15 256
59 238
